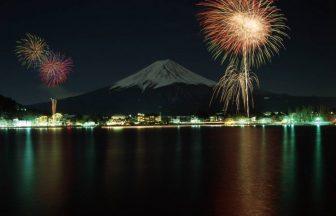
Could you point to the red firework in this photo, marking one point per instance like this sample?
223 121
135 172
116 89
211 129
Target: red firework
55 69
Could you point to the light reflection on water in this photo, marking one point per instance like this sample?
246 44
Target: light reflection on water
318 169
180 171
27 184
256 192
288 178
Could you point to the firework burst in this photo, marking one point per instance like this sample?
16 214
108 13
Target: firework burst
231 88
236 28
55 69
248 32
31 50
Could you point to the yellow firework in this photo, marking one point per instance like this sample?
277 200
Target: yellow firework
231 88
31 50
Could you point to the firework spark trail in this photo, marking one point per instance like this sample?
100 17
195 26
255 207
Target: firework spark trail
232 27
31 50
247 32
55 69
231 88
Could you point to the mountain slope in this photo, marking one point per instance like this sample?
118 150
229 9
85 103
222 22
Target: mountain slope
10 108
271 102
163 87
160 74
168 88
176 99
7 104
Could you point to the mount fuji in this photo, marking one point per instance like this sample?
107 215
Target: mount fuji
160 74
163 87
168 88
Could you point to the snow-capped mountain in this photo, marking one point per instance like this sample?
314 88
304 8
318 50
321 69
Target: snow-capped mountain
168 88
162 73
163 87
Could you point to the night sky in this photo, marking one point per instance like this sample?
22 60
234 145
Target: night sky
109 40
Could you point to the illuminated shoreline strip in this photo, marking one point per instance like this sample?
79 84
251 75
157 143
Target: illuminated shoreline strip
186 125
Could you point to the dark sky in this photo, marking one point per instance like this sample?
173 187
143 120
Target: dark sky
110 40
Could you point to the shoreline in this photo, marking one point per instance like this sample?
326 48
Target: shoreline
214 125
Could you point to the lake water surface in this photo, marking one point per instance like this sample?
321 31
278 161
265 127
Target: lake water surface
169 171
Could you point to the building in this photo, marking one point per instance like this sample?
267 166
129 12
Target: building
150 119
195 120
141 118
21 123
175 120
158 119
56 120
41 121
117 120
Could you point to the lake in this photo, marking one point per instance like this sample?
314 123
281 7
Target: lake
169 171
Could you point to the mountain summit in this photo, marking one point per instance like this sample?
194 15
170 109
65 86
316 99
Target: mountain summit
168 88
163 87
162 73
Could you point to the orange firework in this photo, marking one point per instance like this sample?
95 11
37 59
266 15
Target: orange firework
31 50
254 29
248 32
